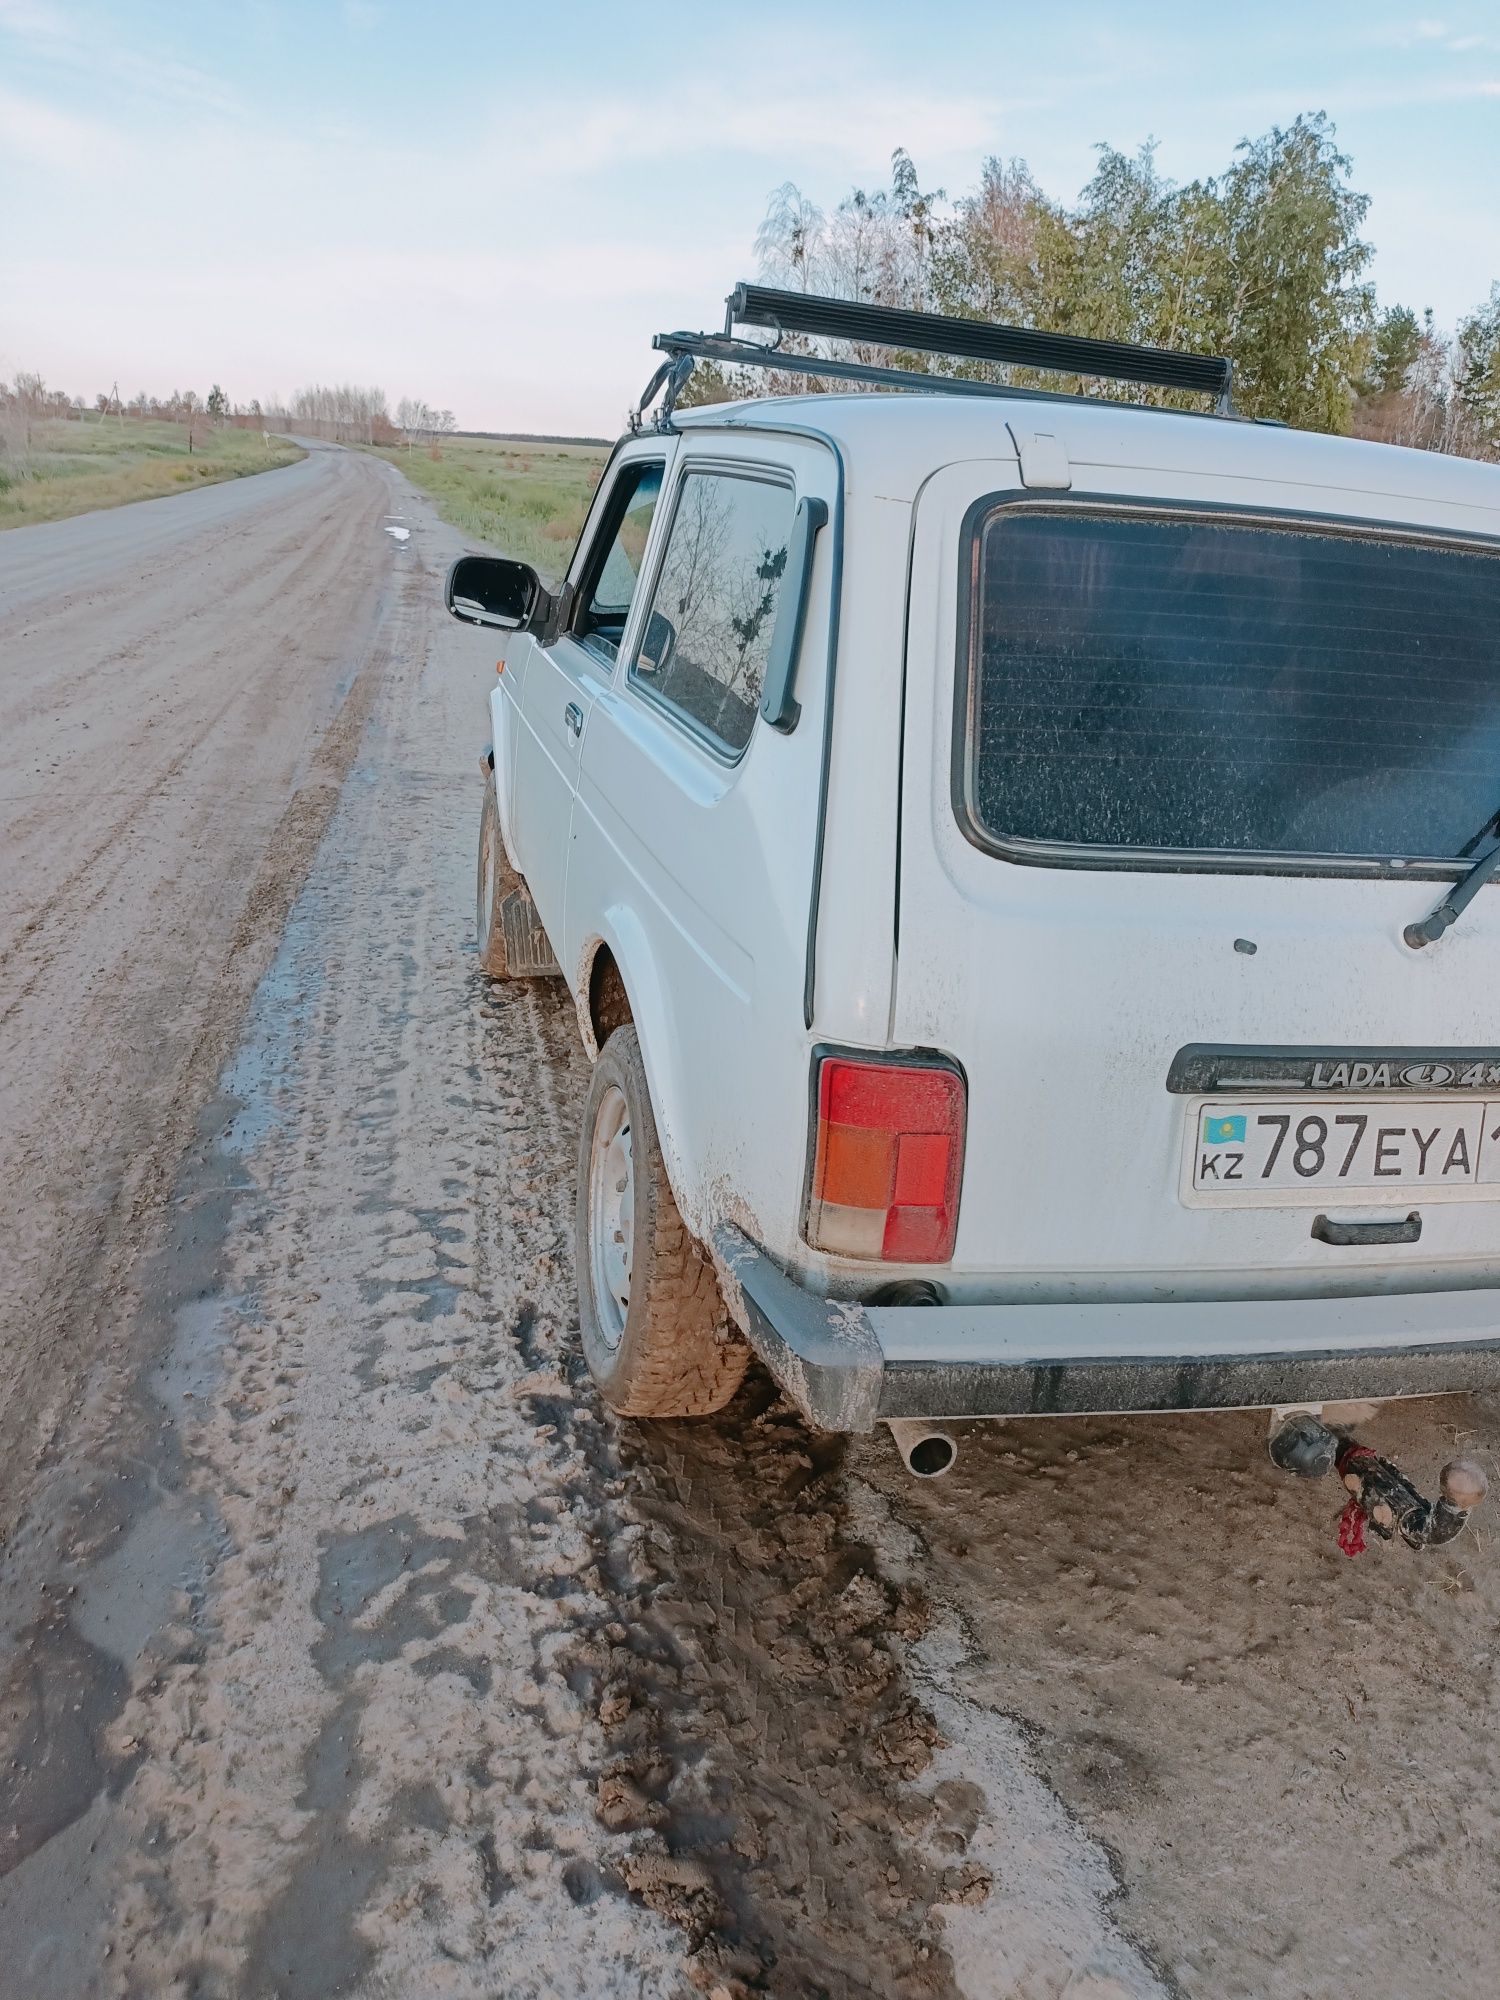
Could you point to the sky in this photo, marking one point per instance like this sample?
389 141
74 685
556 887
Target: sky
494 207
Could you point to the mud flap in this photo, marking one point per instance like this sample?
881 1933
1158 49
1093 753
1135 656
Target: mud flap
528 954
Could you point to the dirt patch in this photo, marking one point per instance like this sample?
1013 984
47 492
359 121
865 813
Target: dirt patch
1288 1754
368 1769
762 1735
175 736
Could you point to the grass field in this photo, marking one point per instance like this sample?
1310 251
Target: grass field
525 500
75 465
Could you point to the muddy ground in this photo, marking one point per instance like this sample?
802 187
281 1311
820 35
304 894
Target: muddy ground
349 1646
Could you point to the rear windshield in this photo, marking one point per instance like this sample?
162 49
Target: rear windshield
1179 684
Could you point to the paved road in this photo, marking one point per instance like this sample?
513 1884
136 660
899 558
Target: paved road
348 1646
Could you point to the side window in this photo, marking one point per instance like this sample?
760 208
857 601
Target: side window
614 564
706 641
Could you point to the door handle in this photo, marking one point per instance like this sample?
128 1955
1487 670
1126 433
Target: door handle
1349 1235
573 716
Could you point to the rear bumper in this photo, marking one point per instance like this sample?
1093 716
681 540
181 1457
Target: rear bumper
846 1365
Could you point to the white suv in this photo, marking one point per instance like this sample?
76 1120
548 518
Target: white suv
993 841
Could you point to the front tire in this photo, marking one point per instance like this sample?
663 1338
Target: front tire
656 1335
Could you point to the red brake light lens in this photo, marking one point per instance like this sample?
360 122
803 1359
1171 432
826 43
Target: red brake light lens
889 1160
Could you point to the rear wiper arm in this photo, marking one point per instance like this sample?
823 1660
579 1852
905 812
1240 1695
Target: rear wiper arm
1459 897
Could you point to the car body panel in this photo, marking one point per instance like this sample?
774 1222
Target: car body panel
1066 991
731 892
696 871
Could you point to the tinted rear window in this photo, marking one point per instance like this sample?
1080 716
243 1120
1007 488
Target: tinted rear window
1152 683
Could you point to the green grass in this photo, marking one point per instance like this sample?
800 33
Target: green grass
73 466
527 501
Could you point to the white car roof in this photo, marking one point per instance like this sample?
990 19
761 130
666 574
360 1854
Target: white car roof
898 439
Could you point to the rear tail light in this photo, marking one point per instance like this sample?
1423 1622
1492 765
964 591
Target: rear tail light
888 1160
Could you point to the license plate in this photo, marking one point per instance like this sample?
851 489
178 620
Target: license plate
1291 1152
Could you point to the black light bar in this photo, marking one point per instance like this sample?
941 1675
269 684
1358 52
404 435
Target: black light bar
749 354
978 340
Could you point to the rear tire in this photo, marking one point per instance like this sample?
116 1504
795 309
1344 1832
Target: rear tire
656 1335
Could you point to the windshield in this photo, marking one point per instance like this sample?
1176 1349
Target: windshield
1191 685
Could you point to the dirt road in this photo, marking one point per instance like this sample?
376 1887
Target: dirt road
349 1646
180 699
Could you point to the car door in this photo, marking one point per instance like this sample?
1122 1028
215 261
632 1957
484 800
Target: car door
695 831
563 679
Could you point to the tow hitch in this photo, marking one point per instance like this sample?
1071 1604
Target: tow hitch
1381 1498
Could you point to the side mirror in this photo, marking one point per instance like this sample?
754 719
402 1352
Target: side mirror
658 643
493 590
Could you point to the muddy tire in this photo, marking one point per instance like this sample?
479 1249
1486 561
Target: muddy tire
655 1332
495 877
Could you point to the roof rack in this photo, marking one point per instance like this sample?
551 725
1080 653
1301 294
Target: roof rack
930 333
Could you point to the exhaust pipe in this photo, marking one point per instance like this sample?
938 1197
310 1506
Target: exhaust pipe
926 1451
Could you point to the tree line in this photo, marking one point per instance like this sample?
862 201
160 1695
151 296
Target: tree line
1263 262
350 414
345 413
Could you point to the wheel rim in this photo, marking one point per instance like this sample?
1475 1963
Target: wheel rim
611 1213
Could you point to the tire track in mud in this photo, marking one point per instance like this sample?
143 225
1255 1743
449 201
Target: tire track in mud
763 1735
735 1644
805 1789
735 1647
372 1770
704 1606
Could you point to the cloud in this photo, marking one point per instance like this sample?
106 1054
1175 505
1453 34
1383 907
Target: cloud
1453 90
84 47
1436 36
850 126
32 21
1409 34
1362 97
57 141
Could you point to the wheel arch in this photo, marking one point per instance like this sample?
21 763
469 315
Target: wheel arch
606 997
618 981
